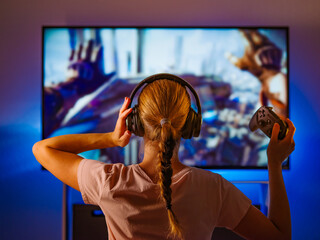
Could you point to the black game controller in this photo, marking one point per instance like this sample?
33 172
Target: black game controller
264 118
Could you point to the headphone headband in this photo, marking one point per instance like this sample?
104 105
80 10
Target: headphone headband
193 121
167 76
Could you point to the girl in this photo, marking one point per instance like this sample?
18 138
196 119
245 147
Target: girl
161 198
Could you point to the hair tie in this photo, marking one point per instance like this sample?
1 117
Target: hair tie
165 120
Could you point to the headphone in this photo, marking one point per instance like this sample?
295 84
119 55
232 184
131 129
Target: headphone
193 122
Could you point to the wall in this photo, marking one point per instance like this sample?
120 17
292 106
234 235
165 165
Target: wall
31 200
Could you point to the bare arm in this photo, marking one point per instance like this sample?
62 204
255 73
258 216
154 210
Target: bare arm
278 224
59 154
279 210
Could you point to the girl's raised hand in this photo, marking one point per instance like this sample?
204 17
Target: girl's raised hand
279 150
120 135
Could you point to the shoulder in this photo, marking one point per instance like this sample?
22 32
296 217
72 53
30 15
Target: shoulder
95 164
99 169
207 176
104 173
199 172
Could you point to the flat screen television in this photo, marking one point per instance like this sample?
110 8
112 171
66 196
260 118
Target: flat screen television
87 72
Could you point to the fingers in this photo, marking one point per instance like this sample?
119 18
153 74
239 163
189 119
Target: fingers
79 52
96 54
125 105
88 50
125 113
275 132
291 131
72 55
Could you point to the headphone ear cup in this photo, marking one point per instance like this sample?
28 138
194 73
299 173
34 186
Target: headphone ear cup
129 122
133 122
139 126
197 125
187 130
192 125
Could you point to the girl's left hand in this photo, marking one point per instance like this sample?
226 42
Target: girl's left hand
120 135
279 150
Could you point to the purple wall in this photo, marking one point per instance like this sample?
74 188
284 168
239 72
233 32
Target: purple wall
30 202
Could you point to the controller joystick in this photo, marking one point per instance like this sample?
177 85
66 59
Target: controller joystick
264 118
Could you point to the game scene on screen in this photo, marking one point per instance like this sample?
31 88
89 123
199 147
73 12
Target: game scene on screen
87 73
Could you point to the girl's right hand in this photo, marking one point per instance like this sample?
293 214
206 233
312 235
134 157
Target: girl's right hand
121 135
279 150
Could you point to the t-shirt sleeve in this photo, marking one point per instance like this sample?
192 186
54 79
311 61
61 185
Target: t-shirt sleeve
234 205
92 176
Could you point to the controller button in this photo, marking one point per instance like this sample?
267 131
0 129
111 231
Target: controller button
262 123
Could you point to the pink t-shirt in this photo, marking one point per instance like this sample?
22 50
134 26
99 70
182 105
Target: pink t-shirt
130 201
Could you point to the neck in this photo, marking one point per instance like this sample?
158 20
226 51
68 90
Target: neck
150 160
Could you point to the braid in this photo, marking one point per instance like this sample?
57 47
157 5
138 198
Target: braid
163 109
166 147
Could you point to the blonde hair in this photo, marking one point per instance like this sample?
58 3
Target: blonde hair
170 100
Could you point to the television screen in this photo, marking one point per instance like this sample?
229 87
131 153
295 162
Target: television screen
87 72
